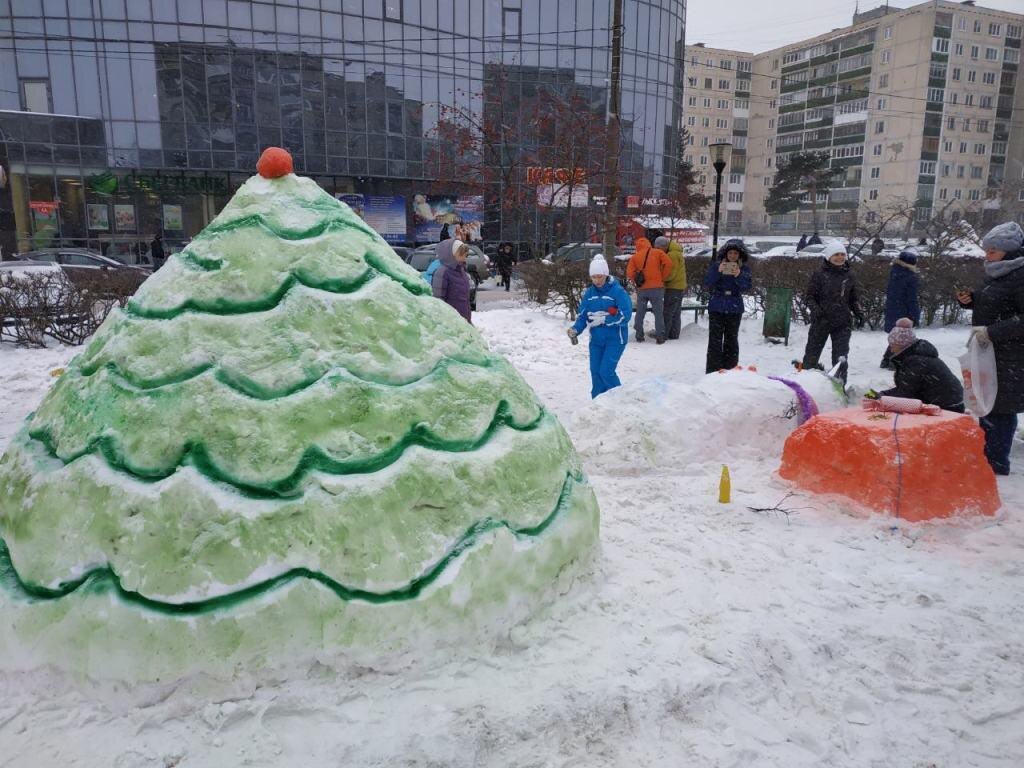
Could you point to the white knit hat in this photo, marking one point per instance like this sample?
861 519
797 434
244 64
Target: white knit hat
832 248
598 266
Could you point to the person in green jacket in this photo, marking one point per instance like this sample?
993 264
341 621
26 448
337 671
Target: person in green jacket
675 286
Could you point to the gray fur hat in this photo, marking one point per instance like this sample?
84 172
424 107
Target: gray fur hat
1008 237
661 242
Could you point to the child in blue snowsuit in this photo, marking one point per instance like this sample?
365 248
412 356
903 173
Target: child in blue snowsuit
606 309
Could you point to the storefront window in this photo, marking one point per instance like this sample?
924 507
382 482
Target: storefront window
72 208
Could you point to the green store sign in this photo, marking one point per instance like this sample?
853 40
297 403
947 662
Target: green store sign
109 184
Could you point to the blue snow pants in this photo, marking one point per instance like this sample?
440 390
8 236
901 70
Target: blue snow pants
605 351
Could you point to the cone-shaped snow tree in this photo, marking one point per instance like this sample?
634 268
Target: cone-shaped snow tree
283 444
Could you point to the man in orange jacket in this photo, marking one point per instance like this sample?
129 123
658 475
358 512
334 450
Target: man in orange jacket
648 270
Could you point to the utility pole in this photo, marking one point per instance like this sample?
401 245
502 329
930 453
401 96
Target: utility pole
611 212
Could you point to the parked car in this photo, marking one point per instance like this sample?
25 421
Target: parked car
578 252
421 259
82 265
780 250
701 253
477 265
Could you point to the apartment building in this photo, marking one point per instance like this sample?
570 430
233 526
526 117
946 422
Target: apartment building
920 107
717 108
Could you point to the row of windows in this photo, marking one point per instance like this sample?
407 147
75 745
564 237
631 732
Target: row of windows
265 16
848 150
709 83
953 97
988 78
976 171
691 101
973 194
942 45
979 148
720 122
822 49
855 62
968 124
995 29
939 45
726 64
852 106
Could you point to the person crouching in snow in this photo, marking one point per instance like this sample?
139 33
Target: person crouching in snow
728 278
450 283
605 310
832 298
901 294
919 371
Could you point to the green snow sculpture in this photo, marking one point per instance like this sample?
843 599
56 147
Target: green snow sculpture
283 446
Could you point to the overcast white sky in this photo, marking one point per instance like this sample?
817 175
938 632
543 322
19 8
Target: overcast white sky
760 25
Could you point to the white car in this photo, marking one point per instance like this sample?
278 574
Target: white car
780 250
478 265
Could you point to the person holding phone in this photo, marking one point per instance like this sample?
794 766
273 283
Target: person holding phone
727 279
997 308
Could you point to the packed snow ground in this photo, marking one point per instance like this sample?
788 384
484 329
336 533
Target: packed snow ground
708 634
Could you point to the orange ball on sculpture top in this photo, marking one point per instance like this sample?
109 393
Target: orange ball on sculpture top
274 163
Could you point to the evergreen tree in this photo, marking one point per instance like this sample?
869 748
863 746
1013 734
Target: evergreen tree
688 198
804 174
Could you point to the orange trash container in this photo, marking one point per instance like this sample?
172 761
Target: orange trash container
913 466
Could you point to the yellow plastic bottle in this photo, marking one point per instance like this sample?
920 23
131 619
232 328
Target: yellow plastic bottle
725 486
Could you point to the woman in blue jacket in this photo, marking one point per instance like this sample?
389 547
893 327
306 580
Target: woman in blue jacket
901 294
728 278
606 309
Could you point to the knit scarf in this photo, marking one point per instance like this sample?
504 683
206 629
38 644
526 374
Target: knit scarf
996 269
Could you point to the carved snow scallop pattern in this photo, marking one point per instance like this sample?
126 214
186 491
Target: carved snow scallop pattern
282 425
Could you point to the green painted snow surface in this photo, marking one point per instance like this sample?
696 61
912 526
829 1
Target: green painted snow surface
282 445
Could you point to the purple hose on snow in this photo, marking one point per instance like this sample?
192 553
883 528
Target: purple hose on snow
808 407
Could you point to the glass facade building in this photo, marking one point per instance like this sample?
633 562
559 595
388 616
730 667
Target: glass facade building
121 118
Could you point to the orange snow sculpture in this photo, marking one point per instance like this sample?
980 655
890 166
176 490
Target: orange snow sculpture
858 454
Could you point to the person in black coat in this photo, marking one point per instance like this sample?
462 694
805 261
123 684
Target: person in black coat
802 244
877 246
833 301
505 260
815 239
156 252
998 318
901 295
919 371
727 279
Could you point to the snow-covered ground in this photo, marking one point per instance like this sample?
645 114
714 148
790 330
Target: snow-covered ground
708 635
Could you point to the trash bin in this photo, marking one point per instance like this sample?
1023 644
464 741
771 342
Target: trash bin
778 308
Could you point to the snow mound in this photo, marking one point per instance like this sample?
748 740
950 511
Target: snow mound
660 425
283 447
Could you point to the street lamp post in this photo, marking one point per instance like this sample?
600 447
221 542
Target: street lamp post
720 152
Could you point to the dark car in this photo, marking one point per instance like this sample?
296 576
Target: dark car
421 259
403 252
83 266
575 252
